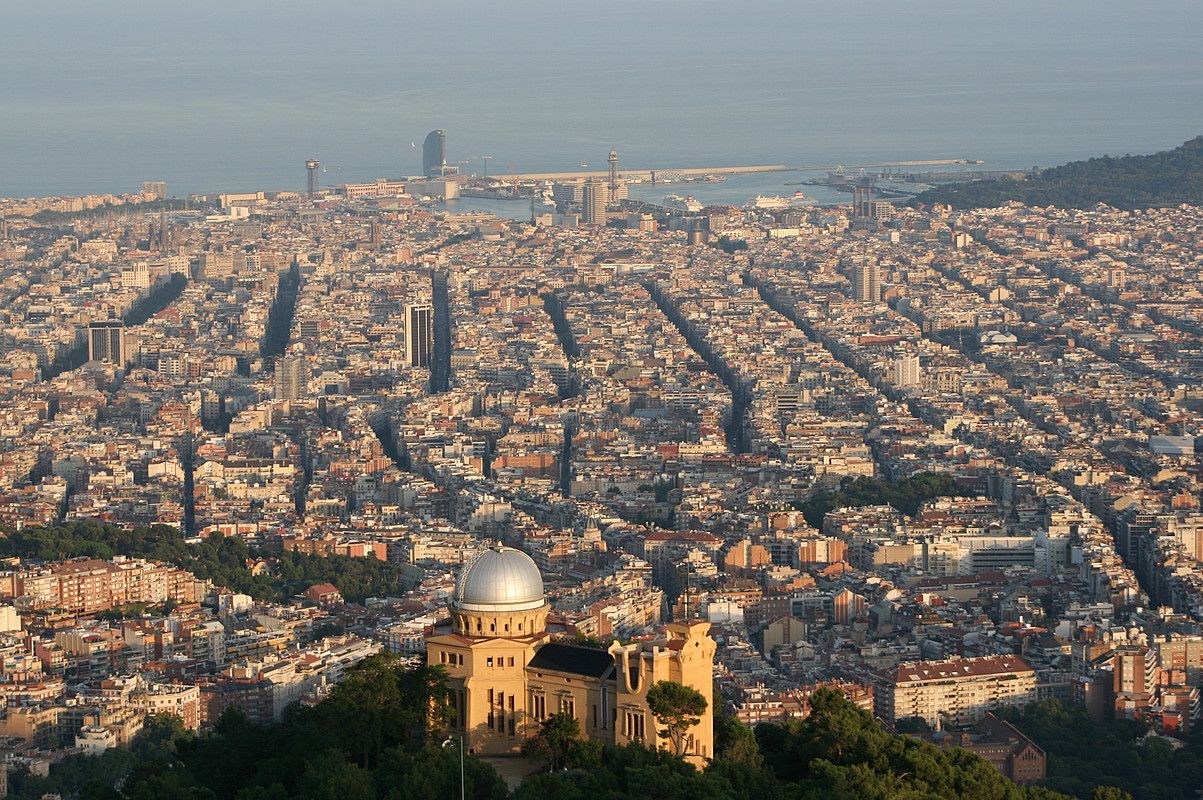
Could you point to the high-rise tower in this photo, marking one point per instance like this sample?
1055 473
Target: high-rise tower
613 172
291 378
106 341
434 153
312 166
866 281
594 199
419 335
906 370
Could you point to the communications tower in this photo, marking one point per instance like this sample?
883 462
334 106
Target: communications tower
312 166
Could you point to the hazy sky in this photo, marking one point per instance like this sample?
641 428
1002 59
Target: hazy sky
224 95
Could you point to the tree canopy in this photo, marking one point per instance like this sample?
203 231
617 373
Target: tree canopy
1084 755
677 708
906 494
1168 178
731 246
372 739
558 741
220 559
838 752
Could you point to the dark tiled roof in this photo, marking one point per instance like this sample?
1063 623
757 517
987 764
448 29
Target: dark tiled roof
573 659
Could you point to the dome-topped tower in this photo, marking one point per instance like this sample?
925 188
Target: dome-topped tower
499 594
500 578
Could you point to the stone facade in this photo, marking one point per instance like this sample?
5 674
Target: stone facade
508 675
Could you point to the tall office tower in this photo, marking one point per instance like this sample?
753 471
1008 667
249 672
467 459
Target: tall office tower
434 153
866 281
419 334
906 370
291 379
106 341
594 199
311 168
862 201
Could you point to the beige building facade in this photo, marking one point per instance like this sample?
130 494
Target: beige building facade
959 691
508 675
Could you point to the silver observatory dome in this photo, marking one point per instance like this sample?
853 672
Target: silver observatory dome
499 579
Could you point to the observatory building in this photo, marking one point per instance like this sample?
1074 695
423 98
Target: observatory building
508 676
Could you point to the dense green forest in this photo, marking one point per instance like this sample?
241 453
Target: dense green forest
372 740
1082 753
906 494
1167 178
220 559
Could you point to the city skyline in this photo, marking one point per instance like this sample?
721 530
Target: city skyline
642 400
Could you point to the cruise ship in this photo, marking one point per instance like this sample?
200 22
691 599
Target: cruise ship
777 203
678 203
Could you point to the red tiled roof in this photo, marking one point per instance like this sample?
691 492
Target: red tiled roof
682 536
959 668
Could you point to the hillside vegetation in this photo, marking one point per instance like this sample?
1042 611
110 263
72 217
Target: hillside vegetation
1168 178
221 559
380 736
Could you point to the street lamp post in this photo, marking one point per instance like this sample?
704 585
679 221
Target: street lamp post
450 740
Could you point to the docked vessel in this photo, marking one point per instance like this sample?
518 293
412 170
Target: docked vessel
777 203
678 203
